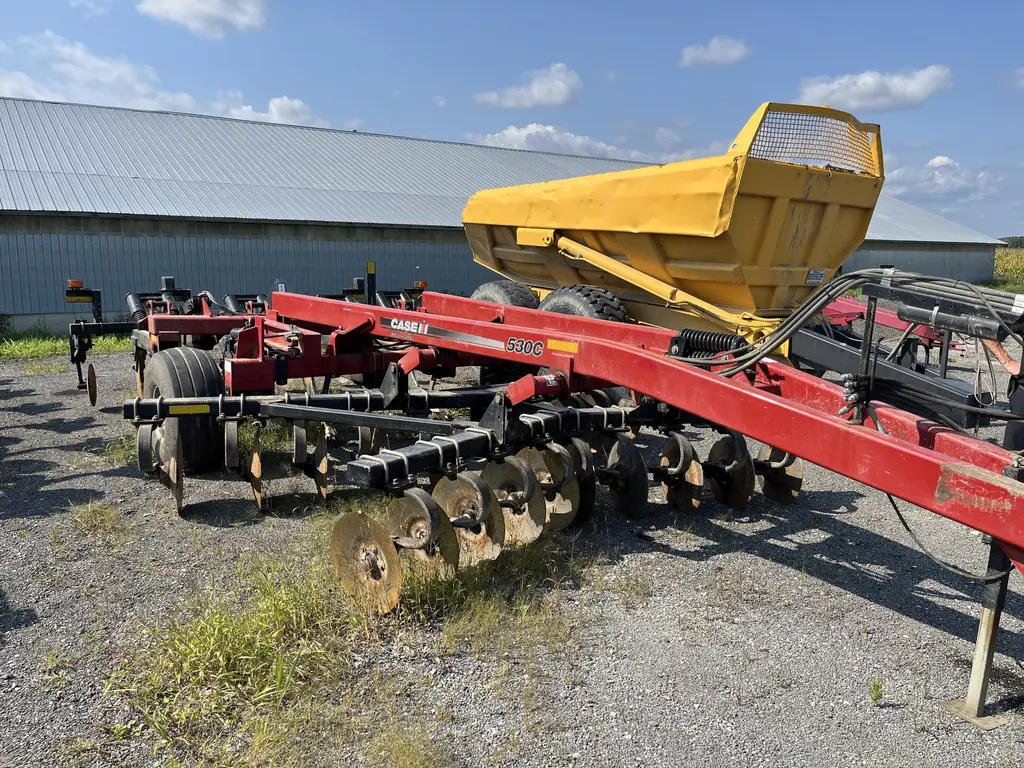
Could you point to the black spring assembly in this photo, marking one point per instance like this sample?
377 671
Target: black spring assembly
690 342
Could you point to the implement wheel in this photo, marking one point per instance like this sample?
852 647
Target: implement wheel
585 301
187 372
509 294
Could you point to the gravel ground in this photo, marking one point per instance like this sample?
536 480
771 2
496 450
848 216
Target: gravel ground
742 639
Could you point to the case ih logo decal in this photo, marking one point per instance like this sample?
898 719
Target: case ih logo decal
407 326
525 347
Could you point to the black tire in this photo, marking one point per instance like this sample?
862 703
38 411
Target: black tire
508 293
589 301
187 372
585 301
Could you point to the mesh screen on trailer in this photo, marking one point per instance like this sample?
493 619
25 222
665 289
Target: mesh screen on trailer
791 137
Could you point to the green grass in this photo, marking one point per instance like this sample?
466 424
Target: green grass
876 689
1009 270
29 345
259 667
96 519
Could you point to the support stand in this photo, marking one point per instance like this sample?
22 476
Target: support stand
972 708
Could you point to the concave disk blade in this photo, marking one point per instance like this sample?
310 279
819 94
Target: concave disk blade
738 486
685 489
583 466
417 516
563 503
506 480
90 383
255 473
366 562
467 493
629 488
320 465
299 449
781 485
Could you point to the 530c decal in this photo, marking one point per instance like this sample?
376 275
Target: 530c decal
525 347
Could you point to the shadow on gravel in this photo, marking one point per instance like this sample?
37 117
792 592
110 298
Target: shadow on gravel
14 394
222 513
47 503
11 620
823 546
62 426
36 409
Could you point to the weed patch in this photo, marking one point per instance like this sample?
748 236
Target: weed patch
35 344
97 520
255 670
44 368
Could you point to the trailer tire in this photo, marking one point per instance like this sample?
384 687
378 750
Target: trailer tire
585 301
187 372
589 301
508 293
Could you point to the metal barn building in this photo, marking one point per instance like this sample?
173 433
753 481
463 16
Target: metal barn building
119 197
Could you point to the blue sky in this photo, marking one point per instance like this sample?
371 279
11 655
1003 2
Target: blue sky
654 81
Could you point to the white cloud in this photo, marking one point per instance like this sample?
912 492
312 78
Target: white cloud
877 91
942 179
93 7
65 70
351 124
208 18
555 86
719 51
1018 77
548 138
281 109
440 101
68 71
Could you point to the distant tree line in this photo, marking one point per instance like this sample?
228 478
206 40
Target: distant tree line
1017 241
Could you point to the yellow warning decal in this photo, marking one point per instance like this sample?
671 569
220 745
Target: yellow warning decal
79 299
563 346
185 410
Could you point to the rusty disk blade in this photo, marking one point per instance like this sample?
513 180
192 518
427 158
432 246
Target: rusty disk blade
468 494
173 477
320 464
90 383
583 465
366 562
417 516
255 473
629 486
781 485
299 450
525 524
562 503
737 487
685 490
231 458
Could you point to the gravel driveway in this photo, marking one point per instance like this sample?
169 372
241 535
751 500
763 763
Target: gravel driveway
709 639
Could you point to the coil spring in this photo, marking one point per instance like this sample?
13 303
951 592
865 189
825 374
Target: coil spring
691 340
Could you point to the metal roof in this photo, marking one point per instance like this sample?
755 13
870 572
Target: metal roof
72 158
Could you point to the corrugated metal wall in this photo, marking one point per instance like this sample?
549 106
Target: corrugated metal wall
975 263
34 268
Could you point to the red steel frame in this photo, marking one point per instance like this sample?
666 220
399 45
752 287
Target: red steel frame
966 480
845 310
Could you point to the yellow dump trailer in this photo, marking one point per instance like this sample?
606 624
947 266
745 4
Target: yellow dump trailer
732 242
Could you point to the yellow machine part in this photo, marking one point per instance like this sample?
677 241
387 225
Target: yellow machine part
732 242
